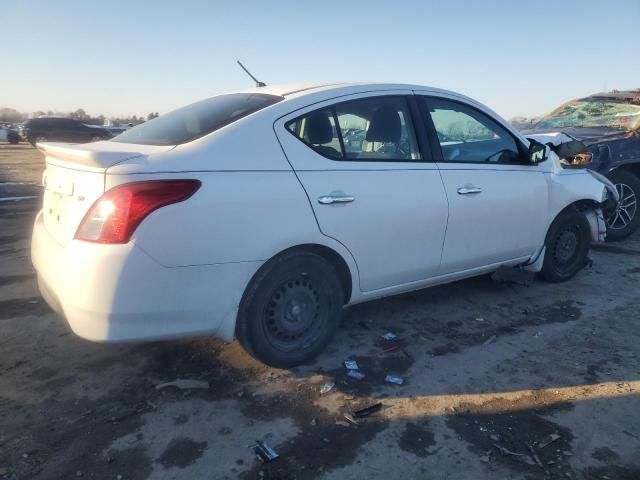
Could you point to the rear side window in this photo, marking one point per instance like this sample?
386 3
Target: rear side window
318 130
196 120
371 129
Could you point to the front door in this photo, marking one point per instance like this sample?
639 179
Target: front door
370 186
497 200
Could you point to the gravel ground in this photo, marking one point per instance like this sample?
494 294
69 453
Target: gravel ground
502 381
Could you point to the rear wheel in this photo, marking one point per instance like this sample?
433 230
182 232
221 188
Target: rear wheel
290 310
567 246
13 138
625 219
96 138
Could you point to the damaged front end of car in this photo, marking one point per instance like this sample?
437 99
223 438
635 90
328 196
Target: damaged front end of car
570 158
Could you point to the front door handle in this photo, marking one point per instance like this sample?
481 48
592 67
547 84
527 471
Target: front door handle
469 189
329 199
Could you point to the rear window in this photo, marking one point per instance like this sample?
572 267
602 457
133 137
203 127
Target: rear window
196 120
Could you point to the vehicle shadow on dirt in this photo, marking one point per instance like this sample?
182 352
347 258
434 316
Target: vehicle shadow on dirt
518 432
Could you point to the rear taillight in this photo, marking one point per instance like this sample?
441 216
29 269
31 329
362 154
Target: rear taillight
115 215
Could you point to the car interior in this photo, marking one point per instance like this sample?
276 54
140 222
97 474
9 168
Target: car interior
371 129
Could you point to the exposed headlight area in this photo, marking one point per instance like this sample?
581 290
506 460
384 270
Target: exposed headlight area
594 155
579 160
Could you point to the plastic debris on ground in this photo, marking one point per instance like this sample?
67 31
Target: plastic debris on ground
368 411
552 438
263 451
389 336
350 419
394 379
358 375
184 384
351 365
390 349
490 340
327 387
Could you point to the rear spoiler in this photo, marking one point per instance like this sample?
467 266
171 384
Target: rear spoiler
98 155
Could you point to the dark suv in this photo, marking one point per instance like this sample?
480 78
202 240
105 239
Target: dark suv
609 125
59 129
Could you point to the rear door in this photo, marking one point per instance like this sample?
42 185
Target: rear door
497 201
370 185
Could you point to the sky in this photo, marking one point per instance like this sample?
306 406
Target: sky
134 57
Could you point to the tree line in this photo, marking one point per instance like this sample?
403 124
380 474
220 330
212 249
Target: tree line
11 115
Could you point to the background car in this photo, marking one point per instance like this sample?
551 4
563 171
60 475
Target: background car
62 129
609 125
246 216
9 135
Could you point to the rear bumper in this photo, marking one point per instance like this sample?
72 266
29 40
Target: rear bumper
111 293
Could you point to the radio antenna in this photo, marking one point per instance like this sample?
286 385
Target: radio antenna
258 83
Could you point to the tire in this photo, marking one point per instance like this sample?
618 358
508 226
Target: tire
626 218
13 139
567 246
96 138
37 139
290 310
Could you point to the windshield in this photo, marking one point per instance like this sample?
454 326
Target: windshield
582 113
196 120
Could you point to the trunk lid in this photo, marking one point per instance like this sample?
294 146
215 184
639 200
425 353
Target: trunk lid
74 179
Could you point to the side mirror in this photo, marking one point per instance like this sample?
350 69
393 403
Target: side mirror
537 152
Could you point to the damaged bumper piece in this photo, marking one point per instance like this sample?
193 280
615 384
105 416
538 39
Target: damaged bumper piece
598 225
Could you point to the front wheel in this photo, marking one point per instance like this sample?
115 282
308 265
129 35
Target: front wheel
624 220
291 309
566 246
13 138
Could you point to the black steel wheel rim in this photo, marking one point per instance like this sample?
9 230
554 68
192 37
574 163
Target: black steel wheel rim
567 248
293 317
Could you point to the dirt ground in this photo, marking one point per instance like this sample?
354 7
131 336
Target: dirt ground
502 381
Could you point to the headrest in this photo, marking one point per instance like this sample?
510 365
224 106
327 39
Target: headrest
385 125
318 128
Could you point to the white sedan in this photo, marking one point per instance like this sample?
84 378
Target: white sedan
258 215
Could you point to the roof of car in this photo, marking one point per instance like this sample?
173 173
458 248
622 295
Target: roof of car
290 90
299 95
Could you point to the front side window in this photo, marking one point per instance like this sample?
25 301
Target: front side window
468 135
371 129
196 120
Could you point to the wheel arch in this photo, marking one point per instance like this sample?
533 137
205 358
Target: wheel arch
582 205
592 211
335 260
329 254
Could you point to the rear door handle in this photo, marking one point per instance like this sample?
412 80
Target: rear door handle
329 199
469 189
